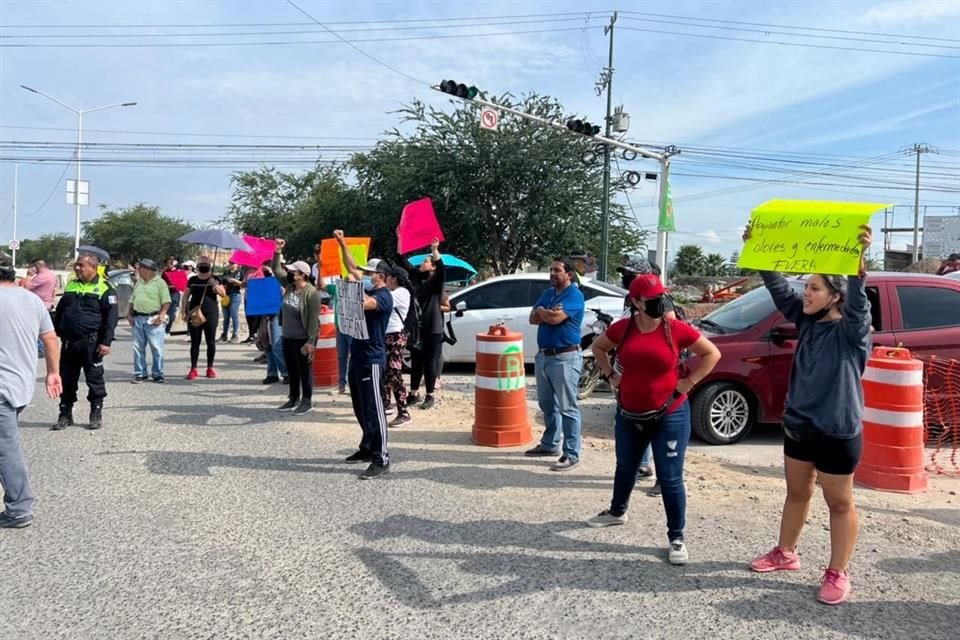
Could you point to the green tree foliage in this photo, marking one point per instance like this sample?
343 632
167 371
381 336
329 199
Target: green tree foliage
690 260
140 231
715 265
55 248
504 199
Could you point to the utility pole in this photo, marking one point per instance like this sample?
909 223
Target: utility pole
918 149
16 241
606 81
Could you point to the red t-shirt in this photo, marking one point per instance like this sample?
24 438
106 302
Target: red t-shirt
649 364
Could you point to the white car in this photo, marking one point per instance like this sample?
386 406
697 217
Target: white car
508 299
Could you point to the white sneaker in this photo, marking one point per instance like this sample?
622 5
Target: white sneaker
678 552
606 519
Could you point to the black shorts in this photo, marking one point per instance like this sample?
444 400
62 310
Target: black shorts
837 456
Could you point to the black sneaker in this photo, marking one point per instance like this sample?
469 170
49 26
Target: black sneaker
359 456
427 403
401 419
305 406
654 491
289 405
644 472
96 418
138 379
7 521
538 452
64 420
223 338
286 380
413 398
375 471
271 380
160 380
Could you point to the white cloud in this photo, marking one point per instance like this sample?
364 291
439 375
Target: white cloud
908 12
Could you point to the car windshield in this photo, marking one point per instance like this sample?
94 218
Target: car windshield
744 312
608 289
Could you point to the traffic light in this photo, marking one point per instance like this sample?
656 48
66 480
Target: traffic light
459 90
584 127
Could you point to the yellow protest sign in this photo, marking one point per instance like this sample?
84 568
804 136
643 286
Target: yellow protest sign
807 236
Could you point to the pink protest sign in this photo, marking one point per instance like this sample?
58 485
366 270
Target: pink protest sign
263 249
418 226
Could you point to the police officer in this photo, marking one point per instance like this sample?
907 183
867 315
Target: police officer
85 319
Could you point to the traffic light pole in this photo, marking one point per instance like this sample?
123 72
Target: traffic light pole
662 236
605 204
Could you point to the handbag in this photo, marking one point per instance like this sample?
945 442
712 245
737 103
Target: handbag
197 319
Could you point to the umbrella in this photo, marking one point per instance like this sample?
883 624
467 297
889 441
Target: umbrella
218 238
457 270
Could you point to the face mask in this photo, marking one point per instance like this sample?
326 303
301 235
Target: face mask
290 278
367 283
654 307
203 268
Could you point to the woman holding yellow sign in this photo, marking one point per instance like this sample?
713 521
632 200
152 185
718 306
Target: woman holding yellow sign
822 422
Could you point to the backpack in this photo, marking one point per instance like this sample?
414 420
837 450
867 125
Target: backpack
677 309
411 324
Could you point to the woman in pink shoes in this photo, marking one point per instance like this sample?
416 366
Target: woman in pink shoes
824 409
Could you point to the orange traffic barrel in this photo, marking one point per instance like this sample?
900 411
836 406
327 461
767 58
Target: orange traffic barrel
501 418
892 423
326 373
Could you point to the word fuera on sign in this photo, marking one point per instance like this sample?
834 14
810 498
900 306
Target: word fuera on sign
807 236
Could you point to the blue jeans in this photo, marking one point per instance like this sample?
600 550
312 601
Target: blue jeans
232 314
146 334
343 355
276 363
645 458
669 448
174 308
17 494
557 382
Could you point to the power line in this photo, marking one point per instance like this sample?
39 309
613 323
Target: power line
56 186
191 135
789 44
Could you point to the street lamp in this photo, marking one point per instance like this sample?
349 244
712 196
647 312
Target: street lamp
79 112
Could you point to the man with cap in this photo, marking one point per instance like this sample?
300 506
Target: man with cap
149 305
299 323
368 359
951 264
23 321
233 282
85 320
176 280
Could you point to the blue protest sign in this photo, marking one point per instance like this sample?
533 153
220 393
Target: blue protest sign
263 297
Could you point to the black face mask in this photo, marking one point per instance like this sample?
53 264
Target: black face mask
203 268
654 307
820 315
290 278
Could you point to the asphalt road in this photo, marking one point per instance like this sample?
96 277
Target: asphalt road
200 512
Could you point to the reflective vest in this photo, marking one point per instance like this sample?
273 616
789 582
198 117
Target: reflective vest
96 289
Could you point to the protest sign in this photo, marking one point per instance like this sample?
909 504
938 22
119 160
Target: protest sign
331 263
807 236
418 226
263 297
263 249
350 318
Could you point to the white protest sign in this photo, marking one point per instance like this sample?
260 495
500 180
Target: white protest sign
350 316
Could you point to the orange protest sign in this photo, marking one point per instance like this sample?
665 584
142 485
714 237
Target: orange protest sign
330 261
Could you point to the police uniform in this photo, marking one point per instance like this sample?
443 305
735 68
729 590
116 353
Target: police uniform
85 318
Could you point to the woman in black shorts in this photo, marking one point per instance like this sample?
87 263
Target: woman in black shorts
824 410
205 291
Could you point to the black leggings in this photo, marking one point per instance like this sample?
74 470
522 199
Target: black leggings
425 362
299 369
253 325
209 332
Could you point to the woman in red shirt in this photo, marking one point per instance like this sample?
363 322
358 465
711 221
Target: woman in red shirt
652 405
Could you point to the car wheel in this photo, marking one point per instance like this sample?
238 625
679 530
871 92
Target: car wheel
723 413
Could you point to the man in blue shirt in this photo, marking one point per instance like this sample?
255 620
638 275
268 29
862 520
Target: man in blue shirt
368 359
559 314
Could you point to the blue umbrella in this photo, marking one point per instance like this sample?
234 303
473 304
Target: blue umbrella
457 270
218 238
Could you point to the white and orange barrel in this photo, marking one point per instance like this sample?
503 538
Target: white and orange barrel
892 423
501 418
326 372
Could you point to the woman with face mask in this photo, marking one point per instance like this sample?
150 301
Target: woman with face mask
204 290
652 405
299 324
822 421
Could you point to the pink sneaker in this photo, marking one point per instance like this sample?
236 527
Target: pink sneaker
777 559
192 374
211 372
834 587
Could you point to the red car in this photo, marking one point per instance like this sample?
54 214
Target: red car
918 311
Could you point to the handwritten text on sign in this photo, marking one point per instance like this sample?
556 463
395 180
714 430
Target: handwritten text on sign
350 319
807 236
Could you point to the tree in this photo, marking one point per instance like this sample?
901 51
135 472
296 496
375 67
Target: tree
55 248
690 260
715 265
734 268
140 231
504 198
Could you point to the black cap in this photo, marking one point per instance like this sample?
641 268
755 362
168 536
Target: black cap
399 273
147 263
